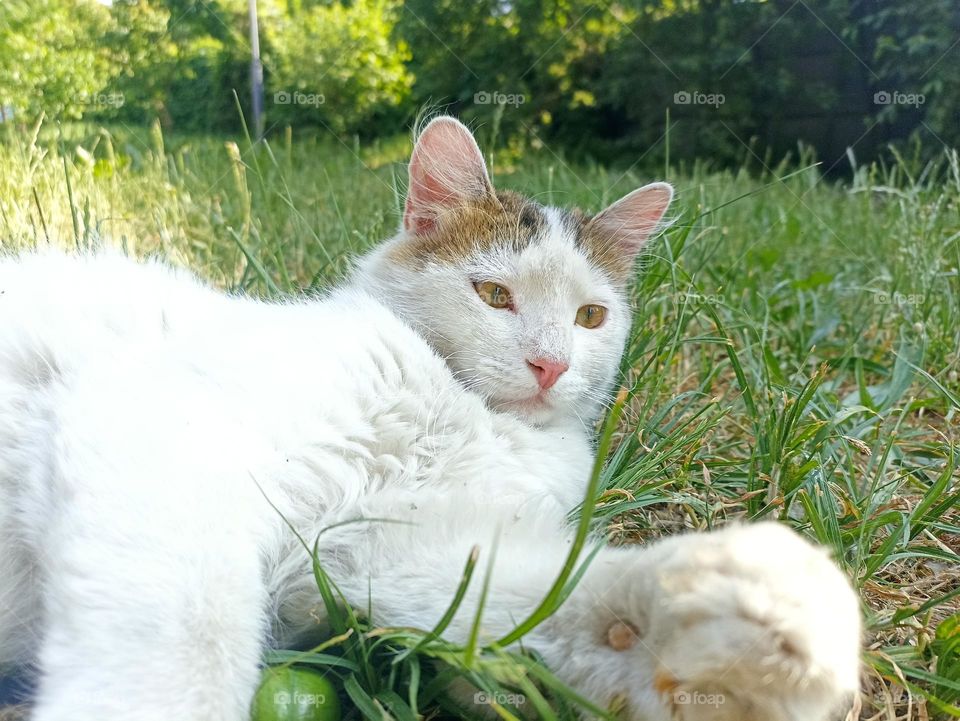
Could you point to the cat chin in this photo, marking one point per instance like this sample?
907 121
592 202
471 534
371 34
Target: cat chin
537 410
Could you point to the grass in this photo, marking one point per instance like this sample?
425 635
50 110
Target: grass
795 356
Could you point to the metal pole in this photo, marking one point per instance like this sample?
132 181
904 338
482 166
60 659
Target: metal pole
256 71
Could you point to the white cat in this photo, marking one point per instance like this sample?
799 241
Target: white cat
452 384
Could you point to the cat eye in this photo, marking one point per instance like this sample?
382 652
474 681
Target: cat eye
494 295
590 316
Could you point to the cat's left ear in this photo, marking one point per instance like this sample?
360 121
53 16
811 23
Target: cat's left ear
628 224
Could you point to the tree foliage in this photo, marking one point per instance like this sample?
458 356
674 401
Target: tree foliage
51 57
334 64
736 77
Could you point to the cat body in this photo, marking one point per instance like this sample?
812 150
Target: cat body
162 445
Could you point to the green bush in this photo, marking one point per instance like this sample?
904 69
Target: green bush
52 59
742 80
333 64
601 78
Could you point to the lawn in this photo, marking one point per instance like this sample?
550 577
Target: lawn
795 356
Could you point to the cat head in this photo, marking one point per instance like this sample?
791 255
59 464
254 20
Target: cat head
527 303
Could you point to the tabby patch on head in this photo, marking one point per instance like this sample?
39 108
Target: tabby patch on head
500 217
526 302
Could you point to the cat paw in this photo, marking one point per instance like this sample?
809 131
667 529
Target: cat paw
752 622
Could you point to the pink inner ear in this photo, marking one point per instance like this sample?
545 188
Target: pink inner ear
427 194
635 217
446 170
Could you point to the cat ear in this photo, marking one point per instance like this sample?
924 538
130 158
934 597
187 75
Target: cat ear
629 223
446 171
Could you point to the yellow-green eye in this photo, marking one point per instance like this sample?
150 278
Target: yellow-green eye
496 296
590 316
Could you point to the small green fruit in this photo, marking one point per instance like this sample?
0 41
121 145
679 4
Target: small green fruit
295 694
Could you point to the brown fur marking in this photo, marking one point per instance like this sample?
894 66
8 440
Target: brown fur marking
600 246
512 220
604 251
505 218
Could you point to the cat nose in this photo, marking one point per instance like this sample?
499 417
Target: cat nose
547 371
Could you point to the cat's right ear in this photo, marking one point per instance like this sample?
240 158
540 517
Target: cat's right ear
446 171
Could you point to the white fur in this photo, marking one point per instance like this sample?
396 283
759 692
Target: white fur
145 421
141 415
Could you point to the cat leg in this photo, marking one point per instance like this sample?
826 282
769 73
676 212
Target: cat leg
410 570
745 624
749 623
152 569
151 630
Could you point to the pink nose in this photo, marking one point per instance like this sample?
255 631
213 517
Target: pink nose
547 371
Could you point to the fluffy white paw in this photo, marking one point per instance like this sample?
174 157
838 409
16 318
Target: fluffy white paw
753 623
750 623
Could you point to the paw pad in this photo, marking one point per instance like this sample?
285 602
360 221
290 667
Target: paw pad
664 683
622 636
